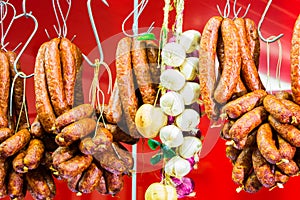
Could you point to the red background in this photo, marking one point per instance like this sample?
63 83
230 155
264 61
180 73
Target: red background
213 176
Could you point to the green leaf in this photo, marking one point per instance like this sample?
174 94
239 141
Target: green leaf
156 158
147 36
153 144
168 153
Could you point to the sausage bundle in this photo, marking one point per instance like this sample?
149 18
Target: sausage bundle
263 147
57 65
87 157
236 45
137 78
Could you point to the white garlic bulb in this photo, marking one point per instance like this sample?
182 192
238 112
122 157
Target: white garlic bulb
188 120
177 167
171 136
190 147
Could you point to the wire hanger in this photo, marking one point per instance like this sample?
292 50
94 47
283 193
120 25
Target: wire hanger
27 15
268 40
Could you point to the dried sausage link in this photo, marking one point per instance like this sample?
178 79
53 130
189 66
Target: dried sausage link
207 53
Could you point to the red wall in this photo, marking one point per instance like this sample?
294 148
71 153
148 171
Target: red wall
213 177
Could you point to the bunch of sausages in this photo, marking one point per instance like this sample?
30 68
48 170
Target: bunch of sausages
137 78
262 139
236 45
73 146
20 154
263 135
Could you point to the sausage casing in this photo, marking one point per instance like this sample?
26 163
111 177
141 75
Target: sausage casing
90 179
42 100
152 55
266 144
263 169
54 77
74 166
252 184
207 74
289 132
73 115
62 154
75 131
18 89
4 89
241 105
249 71
68 64
16 186
3 174
5 133
126 84
246 123
114 182
242 166
15 143
277 109
113 111
142 71
232 62
34 154
295 61
253 40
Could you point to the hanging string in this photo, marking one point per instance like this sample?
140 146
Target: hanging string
163 37
142 6
24 106
100 61
278 65
179 5
279 61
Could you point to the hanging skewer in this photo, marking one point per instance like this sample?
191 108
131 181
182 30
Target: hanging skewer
268 40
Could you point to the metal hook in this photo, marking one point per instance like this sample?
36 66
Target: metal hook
137 13
101 60
3 16
226 10
60 31
236 13
268 40
95 33
27 42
